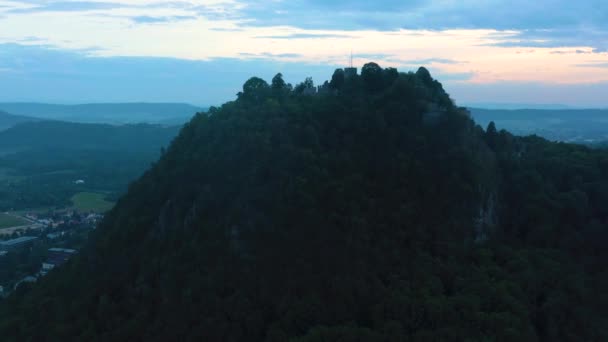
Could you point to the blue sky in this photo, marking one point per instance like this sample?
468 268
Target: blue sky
545 51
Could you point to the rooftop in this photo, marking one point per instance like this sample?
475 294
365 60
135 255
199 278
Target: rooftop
63 250
17 241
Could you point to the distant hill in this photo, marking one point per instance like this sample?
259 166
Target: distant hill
9 120
571 125
114 113
514 106
81 136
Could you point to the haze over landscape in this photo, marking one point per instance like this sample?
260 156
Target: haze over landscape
304 171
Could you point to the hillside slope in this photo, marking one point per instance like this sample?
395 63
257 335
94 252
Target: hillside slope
9 120
113 113
39 161
371 210
69 135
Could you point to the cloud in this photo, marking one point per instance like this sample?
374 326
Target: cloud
226 29
136 11
569 52
153 20
560 38
66 6
307 36
270 55
43 73
433 61
541 23
39 73
594 65
427 14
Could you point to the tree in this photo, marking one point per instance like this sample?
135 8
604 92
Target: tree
305 87
491 136
390 75
371 73
425 76
254 89
491 130
337 79
277 82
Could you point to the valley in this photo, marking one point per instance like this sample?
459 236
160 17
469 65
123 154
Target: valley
57 180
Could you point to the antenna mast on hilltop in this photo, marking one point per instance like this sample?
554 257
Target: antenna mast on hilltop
351 58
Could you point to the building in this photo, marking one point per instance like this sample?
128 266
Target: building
53 236
16 243
45 222
350 72
56 257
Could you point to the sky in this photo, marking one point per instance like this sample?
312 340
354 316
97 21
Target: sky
201 52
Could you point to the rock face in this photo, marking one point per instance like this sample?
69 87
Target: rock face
486 221
340 216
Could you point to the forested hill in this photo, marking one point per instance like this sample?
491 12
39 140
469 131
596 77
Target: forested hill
39 161
370 209
113 113
9 120
69 135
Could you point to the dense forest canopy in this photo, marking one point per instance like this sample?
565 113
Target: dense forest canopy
39 161
370 208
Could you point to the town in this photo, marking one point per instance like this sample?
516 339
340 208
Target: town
48 240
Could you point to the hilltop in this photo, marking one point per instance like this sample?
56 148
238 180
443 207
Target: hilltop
370 208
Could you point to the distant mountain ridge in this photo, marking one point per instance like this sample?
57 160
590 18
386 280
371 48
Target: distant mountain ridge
570 125
515 106
79 136
112 113
9 120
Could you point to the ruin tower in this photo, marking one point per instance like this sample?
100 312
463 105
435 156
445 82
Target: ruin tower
351 71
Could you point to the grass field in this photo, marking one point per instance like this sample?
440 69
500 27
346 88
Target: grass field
7 221
91 201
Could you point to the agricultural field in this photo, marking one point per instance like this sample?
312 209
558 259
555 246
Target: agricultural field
8 221
91 201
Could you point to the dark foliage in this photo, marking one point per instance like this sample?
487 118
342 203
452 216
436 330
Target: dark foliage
376 211
9 120
39 161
